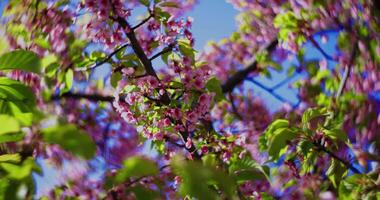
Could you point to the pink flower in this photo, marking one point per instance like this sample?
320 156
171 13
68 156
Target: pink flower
159 136
192 116
189 143
226 156
204 149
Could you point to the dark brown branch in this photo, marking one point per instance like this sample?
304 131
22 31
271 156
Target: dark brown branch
269 90
239 76
319 48
140 54
234 109
281 83
143 22
91 97
36 11
165 50
332 154
103 61
346 72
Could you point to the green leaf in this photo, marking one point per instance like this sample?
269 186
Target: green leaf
145 2
69 78
14 137
16 100
42 43
10 125
185 48
336 134
18 172
115 78
21 60
304 147
198 180
266 137
209 160
278 144
311 114
131 88
136 167
71 139
279 123
23 113
10 158
213 85
336 171
349 185
169 4
11 90
144 193
247 169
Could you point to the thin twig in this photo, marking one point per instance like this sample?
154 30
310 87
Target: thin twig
346 72
165 50
319 48
142 22
239 76
234 109
91 97
280 84
104 60
330 153
269 90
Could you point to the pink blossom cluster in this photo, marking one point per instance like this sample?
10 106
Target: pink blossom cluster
100 29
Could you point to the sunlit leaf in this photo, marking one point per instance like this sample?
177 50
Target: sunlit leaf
10 157
213 85
197 180
10 125
71 139
69 78
279 142
21 60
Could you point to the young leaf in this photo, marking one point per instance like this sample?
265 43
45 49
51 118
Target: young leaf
115 78
71 139
279 142
11 125
14 137
169 4
21 60
213 85
10 158
336 134
136 167
197 180
11 90
336 171
69 78
145 2
18 172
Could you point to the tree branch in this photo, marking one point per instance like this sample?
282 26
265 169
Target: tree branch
332 154
239 76
165 50
143 21
319 48
140 54
281 83
269 90
91 97
234 109
346 72
103 61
